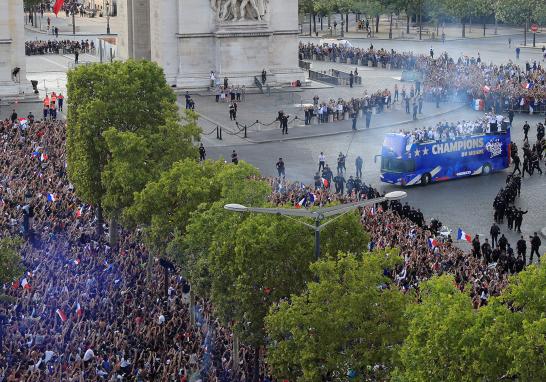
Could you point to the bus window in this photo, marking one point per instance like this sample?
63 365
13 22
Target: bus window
397 165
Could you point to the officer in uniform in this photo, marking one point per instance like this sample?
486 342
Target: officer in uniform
510 217
494 231
350 185
339 182
486 251
535 245
518 218
503 243
521 246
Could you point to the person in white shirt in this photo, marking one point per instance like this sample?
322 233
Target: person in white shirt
321 161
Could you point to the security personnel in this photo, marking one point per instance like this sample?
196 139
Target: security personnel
476 246
510 217
503 242
350 185
535 245
494 232
518 219
526 128
517 162
202 153
486 250
357 185
339 182
406 210
521 246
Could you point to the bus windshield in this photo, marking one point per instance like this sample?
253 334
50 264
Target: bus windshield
397 165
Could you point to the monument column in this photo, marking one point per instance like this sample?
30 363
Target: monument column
12 52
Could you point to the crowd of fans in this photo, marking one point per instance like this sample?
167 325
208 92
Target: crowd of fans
39 47
504 87
86 311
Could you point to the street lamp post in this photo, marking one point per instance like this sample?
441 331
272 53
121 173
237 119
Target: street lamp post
107 17
319 214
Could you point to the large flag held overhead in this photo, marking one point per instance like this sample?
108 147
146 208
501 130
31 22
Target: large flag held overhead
57 7
462 235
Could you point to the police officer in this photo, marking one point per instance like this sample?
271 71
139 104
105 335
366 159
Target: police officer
280 168
510 217
494 231
526 128
339 182
350 185
406 209
358 164
503 243
521 246
486 250
476 246
518 218
535 245
517 162
202 153
318 183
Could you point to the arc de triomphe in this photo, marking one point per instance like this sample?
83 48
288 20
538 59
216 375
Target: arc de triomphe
235 38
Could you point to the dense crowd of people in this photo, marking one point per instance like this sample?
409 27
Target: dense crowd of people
87 311
39 47
504 87
84 310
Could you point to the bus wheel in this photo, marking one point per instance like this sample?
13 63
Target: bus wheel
486 170
425 179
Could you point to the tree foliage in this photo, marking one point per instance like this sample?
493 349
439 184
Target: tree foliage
123 129
345 324
448 340
11 266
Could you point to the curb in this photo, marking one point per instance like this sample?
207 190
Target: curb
34 30
410 39
339 132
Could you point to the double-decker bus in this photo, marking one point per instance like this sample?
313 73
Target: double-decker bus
405 163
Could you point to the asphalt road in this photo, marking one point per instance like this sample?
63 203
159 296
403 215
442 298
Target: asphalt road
465 203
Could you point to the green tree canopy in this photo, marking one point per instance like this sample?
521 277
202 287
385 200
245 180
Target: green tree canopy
347 322
448 340
123 129
11 266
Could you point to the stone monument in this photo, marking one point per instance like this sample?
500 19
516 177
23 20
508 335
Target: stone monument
234 38
13 80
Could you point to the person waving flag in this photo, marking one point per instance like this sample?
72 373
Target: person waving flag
57 7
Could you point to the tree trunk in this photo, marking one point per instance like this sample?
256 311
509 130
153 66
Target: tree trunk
525 34
470 24
100 220
407 24
347 22
420 24
390 28
314 24
321 26
256 365
464 30
113 231
495 23
484 27
376 23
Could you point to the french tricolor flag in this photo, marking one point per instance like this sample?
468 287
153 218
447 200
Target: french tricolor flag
462 235
25 284
301 203
61 314
23 121
528 85
79 212
325 182
43 157
77 262
79 310
432 243
51 198
373 211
